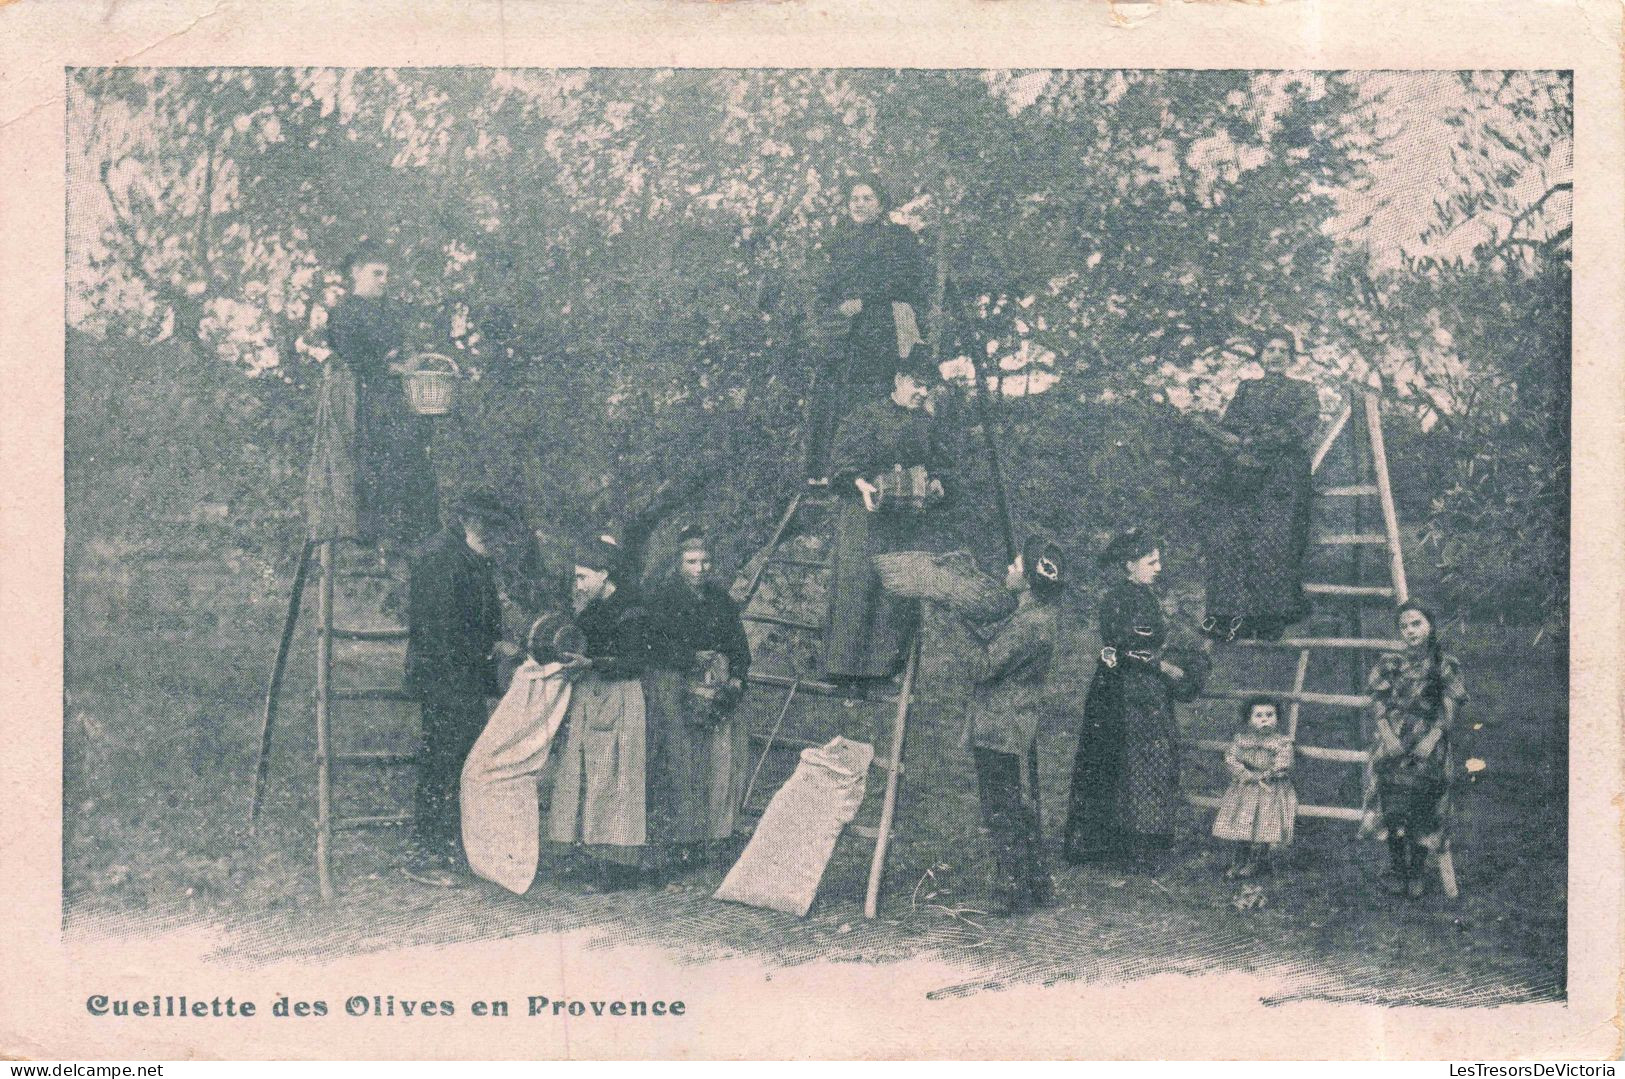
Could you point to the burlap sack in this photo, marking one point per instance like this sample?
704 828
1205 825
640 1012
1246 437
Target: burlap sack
785 859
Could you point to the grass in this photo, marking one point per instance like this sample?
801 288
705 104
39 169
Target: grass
159 737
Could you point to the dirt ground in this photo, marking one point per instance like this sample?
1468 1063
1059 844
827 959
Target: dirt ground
159 737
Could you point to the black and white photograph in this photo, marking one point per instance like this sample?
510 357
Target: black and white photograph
1019 531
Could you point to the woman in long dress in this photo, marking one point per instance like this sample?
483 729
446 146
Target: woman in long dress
1125 778
867 628
1257 530
600 800
875 283
1415 697
699 657
397 501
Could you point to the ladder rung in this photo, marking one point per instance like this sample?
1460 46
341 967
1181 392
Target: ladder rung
1345 700
775 620
1303 643
374 756
369 634
1369 539
342 824
1355 490
1333 812
371 694
1314 753
1352 590
790 560
822 689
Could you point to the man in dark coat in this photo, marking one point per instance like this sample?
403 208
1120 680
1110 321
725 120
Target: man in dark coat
397 503
454 630
867 628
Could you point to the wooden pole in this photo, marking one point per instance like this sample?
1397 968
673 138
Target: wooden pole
1385 492
984 416
1296 704
888 805
1331 437
324 668
262 765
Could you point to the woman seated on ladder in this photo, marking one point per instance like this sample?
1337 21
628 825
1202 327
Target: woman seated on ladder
888 470
1256 534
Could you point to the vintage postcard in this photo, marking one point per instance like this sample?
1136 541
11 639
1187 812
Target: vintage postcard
669 531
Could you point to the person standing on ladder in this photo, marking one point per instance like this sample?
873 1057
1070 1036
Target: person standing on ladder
888 470
454 630
1256 535
397 503
875 283
1008 678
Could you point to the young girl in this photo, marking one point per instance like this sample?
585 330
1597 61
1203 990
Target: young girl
1257 810
1415 695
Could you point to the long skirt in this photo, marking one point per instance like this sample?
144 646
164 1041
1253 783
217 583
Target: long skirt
867 627
860 371
599 799
702 764
395 488
1257 812
1125 777
1255 540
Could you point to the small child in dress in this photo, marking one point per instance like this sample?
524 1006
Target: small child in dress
1257 810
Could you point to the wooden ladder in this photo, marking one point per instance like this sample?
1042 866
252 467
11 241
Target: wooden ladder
794 684
322 553
1374 461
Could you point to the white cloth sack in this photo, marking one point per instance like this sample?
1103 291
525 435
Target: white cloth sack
784 861
501 786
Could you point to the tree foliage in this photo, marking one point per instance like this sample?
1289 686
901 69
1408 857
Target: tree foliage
624 261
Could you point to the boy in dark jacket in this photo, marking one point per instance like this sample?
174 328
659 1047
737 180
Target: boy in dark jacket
1008 678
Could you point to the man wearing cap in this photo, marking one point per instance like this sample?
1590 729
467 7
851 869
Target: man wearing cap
1008 680
867 628
395 484
454 630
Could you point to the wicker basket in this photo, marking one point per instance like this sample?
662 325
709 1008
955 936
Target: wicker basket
430 381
